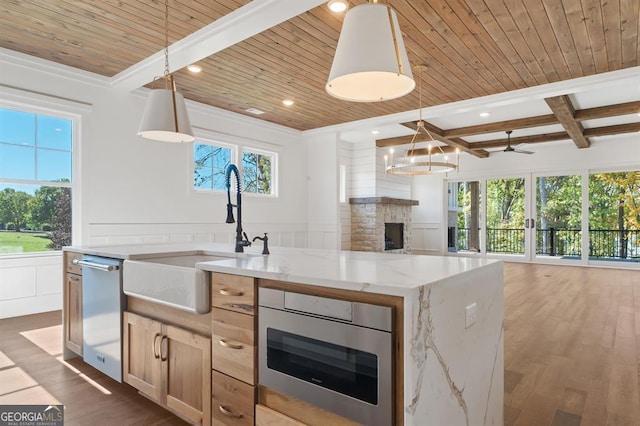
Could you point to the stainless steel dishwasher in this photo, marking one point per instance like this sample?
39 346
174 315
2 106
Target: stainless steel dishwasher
102 305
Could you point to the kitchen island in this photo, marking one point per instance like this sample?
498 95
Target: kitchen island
451 316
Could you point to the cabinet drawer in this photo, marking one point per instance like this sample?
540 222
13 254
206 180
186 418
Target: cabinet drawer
233 292
233 344
233 401
69 266
265 416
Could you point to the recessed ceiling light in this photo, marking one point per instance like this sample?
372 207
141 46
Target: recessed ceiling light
337 5
375 132
287 102
194 68
485 114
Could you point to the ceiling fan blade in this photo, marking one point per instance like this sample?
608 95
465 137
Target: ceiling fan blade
522 151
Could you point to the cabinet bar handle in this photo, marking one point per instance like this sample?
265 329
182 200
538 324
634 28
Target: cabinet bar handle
227 292
229 345
156 355
163 357
228 412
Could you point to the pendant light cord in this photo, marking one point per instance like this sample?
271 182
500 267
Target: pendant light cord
166 38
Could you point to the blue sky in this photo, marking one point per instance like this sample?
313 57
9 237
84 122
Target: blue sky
34 147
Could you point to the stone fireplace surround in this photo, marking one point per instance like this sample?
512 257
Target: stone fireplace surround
368 216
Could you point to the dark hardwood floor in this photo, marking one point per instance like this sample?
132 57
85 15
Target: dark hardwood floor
32 372
571 356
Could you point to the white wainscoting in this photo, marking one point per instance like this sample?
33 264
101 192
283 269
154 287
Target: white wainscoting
427 238
30 284
280 235
324 236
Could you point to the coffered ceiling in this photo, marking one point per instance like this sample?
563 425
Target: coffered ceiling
256 53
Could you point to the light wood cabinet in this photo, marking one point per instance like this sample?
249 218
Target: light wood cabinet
234 349
233 345
265 416
72 299
232 402
170 365
233 292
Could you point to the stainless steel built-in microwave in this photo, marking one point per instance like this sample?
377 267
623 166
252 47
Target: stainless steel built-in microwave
335 354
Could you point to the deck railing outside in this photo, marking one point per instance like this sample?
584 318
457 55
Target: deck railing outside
561 242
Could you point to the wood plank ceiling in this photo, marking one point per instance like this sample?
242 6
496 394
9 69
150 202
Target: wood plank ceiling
472 48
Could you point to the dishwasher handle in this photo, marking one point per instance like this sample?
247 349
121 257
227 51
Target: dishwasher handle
95 265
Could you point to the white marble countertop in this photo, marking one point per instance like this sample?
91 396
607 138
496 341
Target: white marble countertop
383 273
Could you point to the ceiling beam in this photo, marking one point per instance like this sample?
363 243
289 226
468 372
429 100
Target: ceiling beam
608 111
501 126
241 24
425 151
613 130
563 109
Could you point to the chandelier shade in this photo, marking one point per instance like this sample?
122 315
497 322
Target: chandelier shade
370 62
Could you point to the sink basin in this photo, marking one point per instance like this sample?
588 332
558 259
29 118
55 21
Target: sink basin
173 281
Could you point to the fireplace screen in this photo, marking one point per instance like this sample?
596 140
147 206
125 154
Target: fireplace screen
393 236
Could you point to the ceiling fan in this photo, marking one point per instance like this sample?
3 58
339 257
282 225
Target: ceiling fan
509 148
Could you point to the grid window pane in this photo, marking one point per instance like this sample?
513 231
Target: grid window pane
54 166
54 133
17 162
17 127
210 163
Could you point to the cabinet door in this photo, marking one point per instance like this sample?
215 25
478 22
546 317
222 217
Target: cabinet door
142 365
73 313
187 374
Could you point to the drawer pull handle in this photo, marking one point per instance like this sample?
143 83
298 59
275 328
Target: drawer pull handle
224 410
226 292
229 345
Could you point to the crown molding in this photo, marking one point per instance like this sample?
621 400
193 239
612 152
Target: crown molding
53 69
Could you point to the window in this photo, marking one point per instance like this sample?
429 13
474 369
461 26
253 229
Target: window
210 162
257 169
614 216
35 181
258 172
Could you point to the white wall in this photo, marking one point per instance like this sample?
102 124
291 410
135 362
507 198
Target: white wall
322 192
130 190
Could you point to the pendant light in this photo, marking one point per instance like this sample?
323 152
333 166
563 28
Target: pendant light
370 63
165 116
412 163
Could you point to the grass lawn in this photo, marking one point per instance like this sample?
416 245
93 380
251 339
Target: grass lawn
22 242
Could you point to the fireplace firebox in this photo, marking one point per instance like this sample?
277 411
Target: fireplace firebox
393 236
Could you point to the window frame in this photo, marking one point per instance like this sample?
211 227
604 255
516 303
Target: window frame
238 147
77 113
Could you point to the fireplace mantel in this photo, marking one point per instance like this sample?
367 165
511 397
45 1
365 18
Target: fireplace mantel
383 200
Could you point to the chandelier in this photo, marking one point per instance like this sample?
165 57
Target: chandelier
417 161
